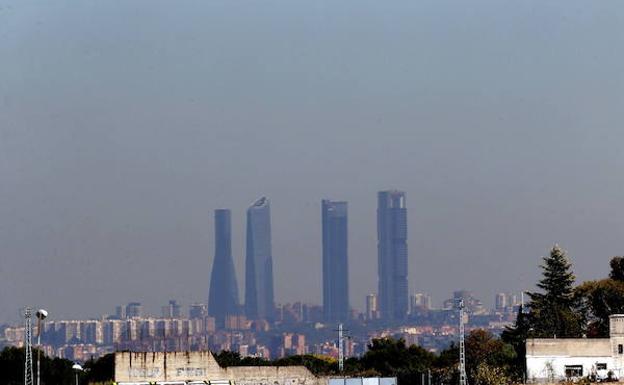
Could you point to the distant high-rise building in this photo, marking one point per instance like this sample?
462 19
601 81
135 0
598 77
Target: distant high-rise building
134 310
259 303
223 295
392 254
500 302
335 261
198 311
120 312
172 310
512 300
372 312
420 301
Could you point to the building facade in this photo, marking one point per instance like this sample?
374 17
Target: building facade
259 302
223 294
183 367
555 359
335 261
392 255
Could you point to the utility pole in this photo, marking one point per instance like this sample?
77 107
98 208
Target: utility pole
41 315
462 348
341 338
28 365
340 349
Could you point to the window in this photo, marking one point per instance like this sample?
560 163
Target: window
620 349
574 371
600 366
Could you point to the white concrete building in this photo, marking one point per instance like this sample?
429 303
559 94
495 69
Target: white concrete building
552 359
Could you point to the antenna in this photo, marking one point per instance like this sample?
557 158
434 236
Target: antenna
341 339
28 365
462 348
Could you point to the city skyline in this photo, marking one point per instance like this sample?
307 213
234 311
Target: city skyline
124 124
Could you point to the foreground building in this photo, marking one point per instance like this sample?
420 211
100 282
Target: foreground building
150 368
554 359
184 367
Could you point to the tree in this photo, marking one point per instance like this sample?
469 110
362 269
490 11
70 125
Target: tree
55 371
599 300
483 348
617 269
227 358
516 337
391 357
101 369
317 364
491 375
553 310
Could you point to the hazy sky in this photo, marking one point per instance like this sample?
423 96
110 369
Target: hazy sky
123 124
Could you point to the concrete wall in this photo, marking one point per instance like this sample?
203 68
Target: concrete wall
540 369
546 358
201 366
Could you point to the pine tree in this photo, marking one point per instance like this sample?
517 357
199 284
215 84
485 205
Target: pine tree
553 311
516 336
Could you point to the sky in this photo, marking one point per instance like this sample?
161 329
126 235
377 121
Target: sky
124 124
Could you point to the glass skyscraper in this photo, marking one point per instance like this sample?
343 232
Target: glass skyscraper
392 255
335 261
259 302
223 295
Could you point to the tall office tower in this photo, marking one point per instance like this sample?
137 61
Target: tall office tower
392 255
223 295
335 261
500 302
134 310
259 302
371 307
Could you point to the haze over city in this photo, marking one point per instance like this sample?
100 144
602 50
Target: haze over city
121 134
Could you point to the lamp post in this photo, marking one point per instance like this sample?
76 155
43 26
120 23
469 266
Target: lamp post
41 315
77 368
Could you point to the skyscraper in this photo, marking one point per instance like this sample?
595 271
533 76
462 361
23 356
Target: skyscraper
335 261
223 296
372 312
392 254
259 262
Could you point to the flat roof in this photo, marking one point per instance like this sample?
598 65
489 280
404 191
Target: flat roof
568 347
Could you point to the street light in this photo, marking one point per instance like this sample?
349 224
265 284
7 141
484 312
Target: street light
41 315
78 369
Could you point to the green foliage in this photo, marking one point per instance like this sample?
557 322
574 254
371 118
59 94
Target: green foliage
227 358
100 370
599 300
390 357
55 371
319 365
516 337
617 269
554 310
486 374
